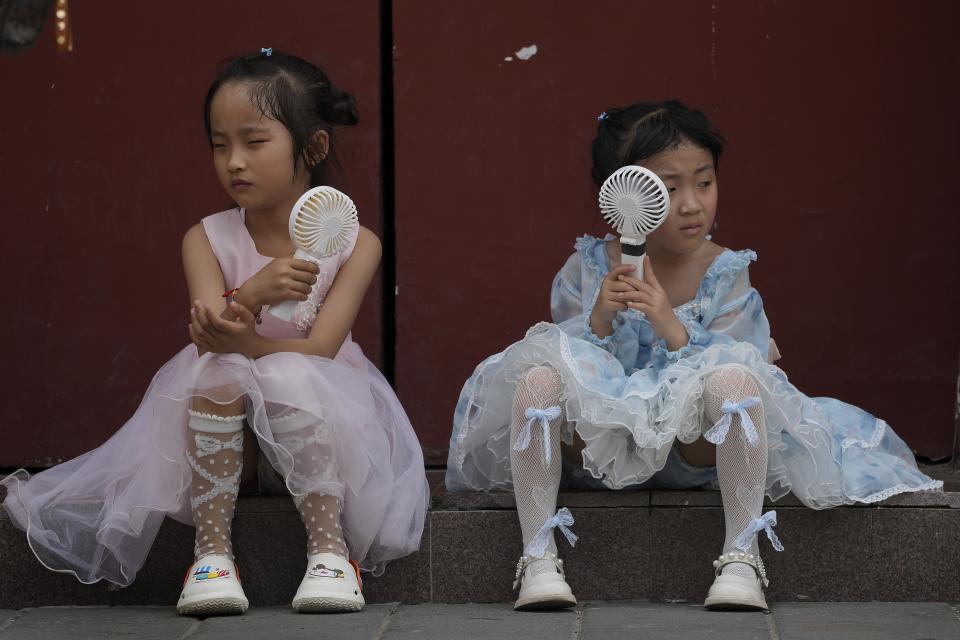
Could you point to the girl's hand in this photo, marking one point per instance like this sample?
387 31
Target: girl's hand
212 333
649 297
610 300
281 280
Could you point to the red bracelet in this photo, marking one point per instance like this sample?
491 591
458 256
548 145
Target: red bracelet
233 294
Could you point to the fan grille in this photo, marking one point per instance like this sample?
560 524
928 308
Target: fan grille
323 221
634 200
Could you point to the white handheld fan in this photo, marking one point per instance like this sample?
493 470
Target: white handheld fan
635 201
321 224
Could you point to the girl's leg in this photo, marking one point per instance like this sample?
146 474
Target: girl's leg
536 464
318 495
215 454
732 404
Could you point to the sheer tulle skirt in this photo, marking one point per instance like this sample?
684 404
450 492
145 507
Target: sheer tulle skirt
97 515
826 452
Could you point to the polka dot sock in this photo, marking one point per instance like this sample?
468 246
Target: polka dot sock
321 517
216 457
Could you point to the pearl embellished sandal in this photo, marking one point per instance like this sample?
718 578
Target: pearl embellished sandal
737 593
545 590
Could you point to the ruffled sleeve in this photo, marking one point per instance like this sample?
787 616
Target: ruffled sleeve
731 312
574 294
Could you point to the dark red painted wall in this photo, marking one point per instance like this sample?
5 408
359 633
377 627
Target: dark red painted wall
104 167
840 172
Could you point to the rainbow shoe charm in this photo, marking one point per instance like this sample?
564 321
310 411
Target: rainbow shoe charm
330 584
212 587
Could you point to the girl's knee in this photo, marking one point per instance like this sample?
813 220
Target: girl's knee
730 381
541 377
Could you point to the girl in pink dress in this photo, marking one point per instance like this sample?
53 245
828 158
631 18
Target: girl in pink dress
317 409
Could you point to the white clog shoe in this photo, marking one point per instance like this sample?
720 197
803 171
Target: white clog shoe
330 584
212 588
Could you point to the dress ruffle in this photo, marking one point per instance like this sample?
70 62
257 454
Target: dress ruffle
630 398
96 516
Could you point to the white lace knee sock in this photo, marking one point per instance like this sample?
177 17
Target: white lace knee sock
535 463
216 457
314 478
732 403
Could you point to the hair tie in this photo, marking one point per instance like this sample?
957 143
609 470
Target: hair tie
266 52
603 116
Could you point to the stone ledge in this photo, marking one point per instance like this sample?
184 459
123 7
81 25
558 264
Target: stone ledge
444 500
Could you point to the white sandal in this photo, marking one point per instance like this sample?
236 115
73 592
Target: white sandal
544 591
737 593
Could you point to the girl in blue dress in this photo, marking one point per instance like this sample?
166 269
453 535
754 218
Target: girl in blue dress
666 382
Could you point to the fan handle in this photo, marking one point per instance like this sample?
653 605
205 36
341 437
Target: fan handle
632 250
284 311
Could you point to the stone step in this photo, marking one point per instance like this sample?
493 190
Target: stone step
651 545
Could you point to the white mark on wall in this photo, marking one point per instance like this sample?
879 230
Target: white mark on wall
526 52
508 59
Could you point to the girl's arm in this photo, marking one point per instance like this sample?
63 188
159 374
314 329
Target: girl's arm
202 270
340 308
572 310
734 315
330 329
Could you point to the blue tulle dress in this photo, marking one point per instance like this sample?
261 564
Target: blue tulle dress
631 399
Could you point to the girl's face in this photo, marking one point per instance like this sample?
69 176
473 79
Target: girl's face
252 153
691 179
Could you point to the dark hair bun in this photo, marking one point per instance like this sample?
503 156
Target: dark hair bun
344 108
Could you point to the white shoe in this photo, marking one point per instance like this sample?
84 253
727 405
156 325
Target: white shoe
330 584
212 587
545 590
737 593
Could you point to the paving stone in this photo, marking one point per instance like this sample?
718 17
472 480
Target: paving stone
283 622
603 620
917 552
6 617
406 580
475 554
866 621
828 555
478 622
682 545
81 623
271 579
627 549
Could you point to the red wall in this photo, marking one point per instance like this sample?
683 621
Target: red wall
840 173
105 165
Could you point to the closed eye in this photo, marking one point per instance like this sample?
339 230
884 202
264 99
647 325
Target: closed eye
256 141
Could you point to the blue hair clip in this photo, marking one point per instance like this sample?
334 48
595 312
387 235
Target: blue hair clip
266 52
603 116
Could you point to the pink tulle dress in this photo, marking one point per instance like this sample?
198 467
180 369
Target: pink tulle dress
326 426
